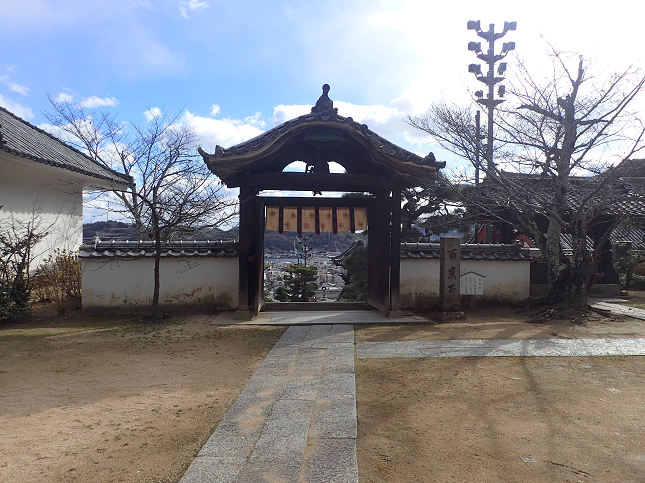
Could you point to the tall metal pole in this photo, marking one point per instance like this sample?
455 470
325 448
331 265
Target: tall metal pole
477 146
477 150
489 79
491 97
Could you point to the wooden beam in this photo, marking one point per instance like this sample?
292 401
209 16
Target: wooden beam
317 201
318 182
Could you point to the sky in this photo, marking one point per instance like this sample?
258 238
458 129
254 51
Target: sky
234 69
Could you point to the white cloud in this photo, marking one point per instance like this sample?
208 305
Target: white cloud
284 113
13 86
152 113
362 114
256 120
387 121
141 3
223 132
57 131
18 88
64 97
95 101
185 5
295 167
16 108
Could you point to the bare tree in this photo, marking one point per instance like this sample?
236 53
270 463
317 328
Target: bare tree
175 194
18 239
563 156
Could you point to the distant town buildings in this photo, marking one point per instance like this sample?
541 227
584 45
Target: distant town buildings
330 281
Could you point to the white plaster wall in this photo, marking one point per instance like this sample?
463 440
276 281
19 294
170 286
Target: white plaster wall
51 196
127 285
505 280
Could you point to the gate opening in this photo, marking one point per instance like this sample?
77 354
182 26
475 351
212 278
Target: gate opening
315 254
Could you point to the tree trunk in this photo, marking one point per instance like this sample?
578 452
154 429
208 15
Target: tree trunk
570 291
154 308
570 285
553 252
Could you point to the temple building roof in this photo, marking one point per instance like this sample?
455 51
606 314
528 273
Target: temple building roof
318 138
24 140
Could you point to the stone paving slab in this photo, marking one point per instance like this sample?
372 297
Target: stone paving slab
278 364
278 453
293 336
335 386
334 419
300 387
308 361
214 470
342 333
620 309
243 423
295 421
326 317
340 358
317 337
502 348
330 461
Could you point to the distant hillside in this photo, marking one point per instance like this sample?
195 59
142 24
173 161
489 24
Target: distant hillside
273 241
109 230
116 230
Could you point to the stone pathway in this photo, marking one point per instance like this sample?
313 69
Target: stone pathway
620 309
501 348
295 421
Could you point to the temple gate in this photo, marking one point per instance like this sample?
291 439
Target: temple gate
372 165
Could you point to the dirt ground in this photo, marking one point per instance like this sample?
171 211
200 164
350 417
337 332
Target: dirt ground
518 419
108 399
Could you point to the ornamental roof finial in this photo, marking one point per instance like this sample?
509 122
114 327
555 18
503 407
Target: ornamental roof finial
324 104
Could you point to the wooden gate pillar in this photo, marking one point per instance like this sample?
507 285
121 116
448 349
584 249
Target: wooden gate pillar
248 254
395 255
379 250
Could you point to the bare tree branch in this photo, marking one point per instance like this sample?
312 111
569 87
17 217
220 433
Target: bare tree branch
175 194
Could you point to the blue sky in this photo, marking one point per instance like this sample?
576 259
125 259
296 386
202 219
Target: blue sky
236 68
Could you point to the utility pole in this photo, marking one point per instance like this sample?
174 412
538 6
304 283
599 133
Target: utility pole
489 79
477 162
477 146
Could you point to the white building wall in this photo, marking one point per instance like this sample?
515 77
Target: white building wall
505 280
52 197
127 285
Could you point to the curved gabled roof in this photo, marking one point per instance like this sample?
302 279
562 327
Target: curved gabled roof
322 135
20 138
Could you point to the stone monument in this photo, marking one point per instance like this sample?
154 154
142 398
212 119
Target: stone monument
449 293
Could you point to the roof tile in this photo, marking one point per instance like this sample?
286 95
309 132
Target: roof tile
429 251
180 249
23 139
